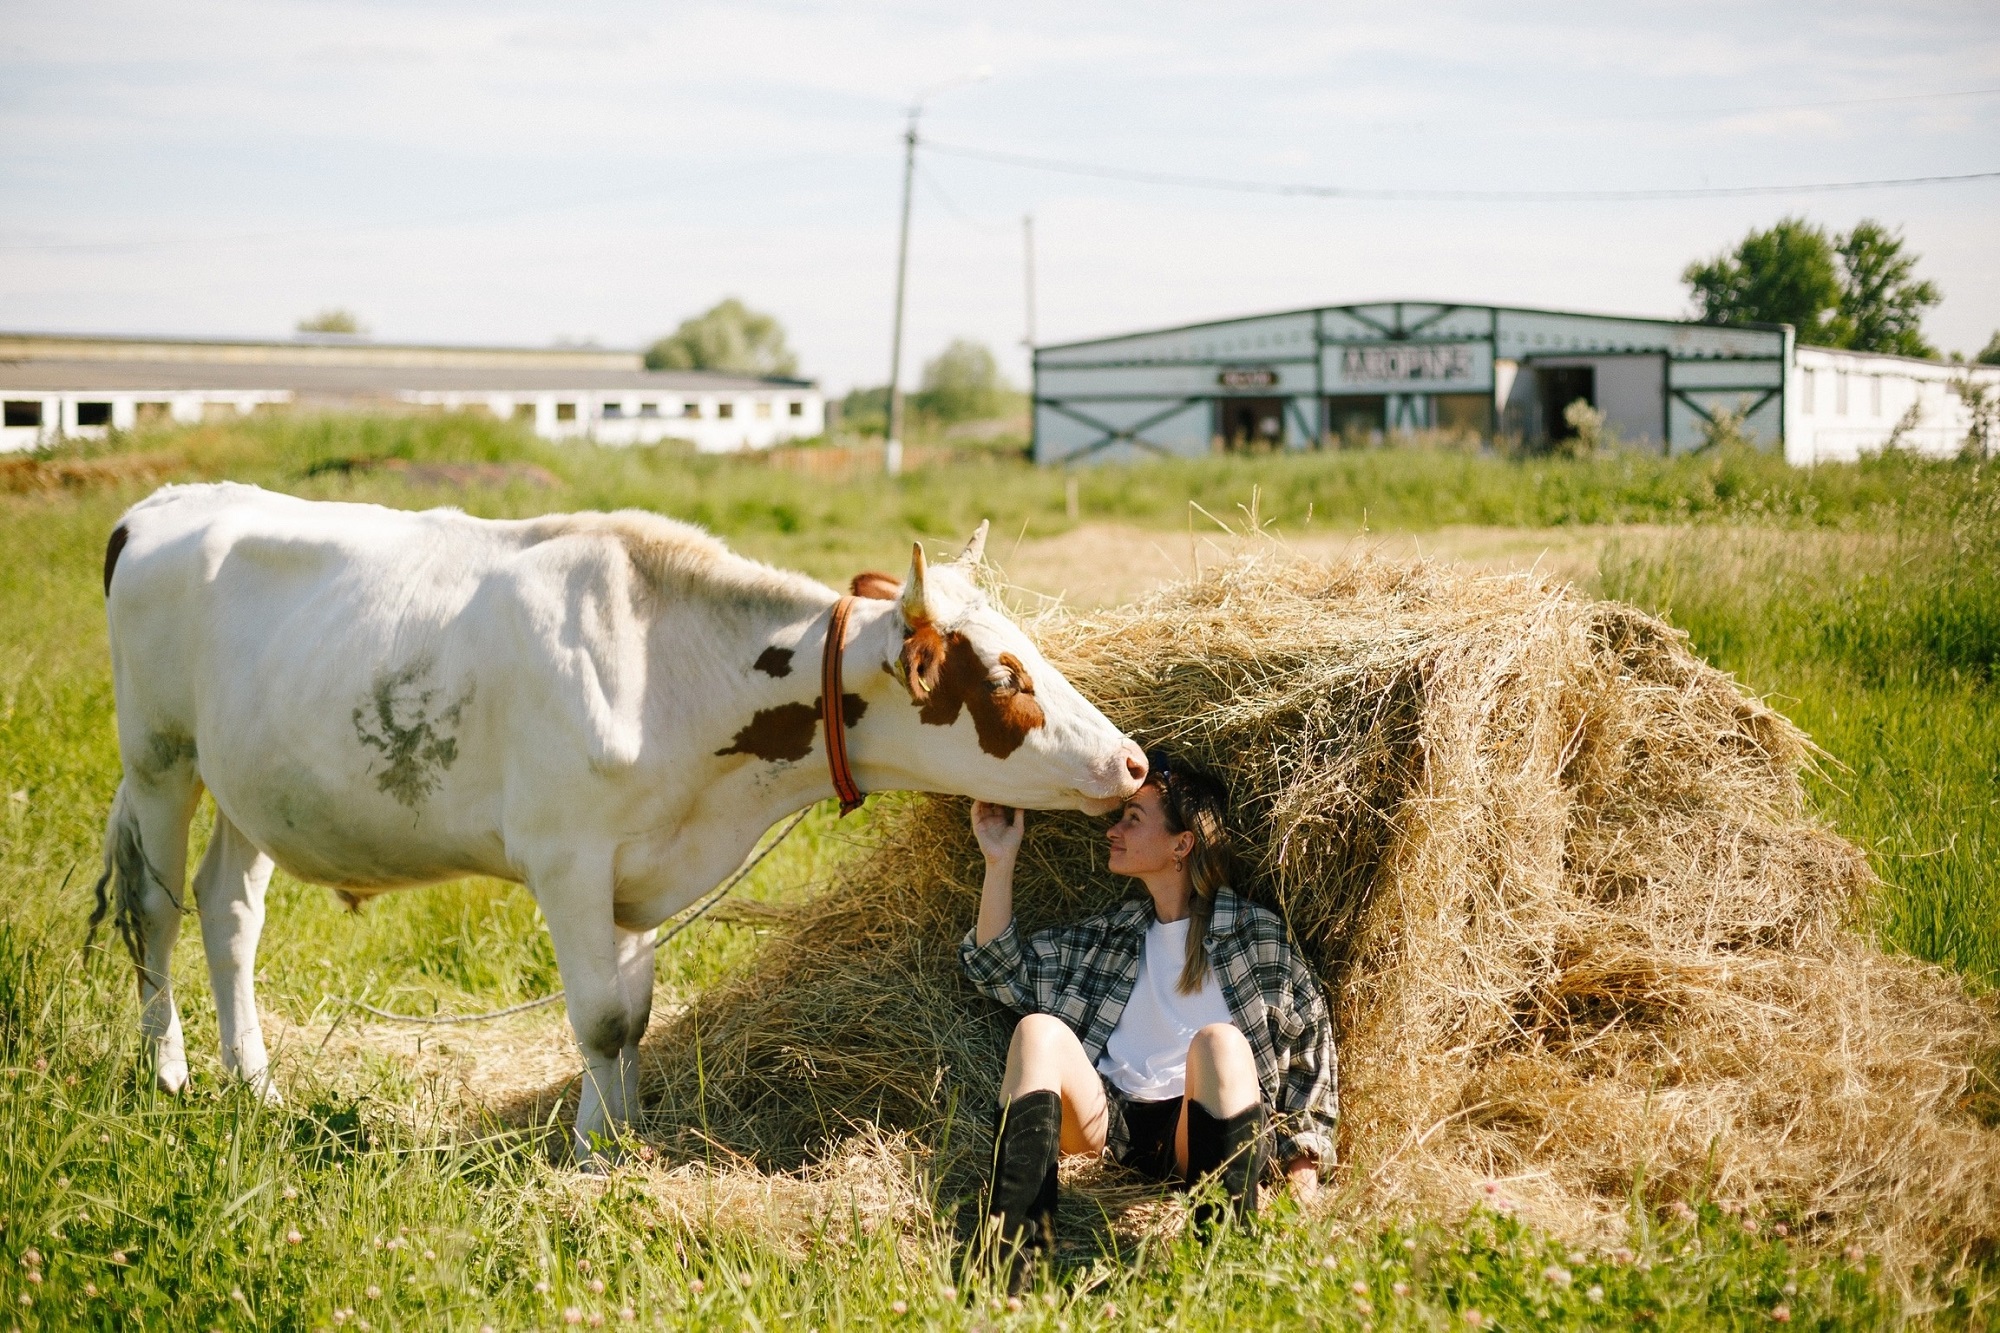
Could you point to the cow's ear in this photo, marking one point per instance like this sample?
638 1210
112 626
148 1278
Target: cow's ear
922 661
975 550
876 585
915 604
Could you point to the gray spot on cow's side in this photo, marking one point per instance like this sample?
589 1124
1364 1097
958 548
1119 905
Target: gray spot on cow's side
167 749
418 747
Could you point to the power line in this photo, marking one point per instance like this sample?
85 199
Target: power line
1797 106
1435 196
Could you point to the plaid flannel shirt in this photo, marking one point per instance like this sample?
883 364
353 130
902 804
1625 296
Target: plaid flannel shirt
1084 974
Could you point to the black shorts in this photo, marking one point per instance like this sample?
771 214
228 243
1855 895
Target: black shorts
1149 1131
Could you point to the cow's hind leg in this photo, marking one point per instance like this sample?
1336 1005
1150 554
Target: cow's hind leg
145 875
229 891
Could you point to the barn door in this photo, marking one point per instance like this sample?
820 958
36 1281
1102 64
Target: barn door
1560 386
1250 423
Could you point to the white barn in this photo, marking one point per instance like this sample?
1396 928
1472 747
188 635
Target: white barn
54 386
1306 378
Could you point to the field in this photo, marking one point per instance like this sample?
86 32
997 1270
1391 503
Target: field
406 1182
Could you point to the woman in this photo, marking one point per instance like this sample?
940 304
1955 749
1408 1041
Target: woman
1168 1032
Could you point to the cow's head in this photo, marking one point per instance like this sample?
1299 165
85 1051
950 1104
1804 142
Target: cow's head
979 711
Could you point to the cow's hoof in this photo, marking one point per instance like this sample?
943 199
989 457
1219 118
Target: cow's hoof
171 1079
598 1156
266 1090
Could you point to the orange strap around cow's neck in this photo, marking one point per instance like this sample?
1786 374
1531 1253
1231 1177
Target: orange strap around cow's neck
832 710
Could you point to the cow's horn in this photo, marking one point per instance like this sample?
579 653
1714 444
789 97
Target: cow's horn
915 603
975 550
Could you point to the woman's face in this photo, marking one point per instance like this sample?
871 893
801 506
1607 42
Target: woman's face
1140 842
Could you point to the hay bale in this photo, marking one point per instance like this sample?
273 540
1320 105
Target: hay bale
1557 873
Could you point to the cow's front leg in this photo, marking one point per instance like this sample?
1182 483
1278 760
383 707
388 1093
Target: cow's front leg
229 893
577 906
635 982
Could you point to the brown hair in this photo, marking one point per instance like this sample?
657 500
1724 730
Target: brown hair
1195 802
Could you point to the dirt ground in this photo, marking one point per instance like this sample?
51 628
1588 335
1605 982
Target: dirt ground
1101 564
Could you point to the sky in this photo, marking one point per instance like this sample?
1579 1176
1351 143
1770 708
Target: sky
518 173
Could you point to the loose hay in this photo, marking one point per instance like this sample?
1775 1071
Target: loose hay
1582 935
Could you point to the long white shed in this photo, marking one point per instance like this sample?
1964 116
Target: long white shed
67 386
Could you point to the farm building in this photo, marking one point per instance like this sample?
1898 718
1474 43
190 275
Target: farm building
58 385
1350 374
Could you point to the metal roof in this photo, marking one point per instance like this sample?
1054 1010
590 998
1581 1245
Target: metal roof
1376 305
84 376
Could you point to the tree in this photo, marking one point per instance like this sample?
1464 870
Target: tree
1989 355
731 336
1787 275
333 320
865 411
1881 304
962 383
1856 290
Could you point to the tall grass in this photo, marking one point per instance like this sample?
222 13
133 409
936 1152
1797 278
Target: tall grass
1883 643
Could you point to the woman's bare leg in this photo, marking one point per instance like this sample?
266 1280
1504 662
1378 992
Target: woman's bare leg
1045 1056
1221 1075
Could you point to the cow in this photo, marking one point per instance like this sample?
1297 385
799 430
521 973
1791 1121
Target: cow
609 708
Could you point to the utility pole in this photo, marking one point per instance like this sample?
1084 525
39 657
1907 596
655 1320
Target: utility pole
1028 250
892 453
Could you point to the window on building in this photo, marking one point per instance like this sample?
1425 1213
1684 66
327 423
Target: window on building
796 408
524 411
725 410
649 409
152 414
763 409
612 411
22 412
565 411
93 414
691 408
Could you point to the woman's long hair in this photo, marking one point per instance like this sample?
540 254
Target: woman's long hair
1195 802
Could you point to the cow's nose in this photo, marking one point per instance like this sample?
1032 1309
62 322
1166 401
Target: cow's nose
1134 761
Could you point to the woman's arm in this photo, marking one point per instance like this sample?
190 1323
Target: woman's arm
999 832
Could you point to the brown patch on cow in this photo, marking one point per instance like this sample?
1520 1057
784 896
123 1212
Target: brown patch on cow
774 661
1003 713
876 585
112 550
786 733
923 660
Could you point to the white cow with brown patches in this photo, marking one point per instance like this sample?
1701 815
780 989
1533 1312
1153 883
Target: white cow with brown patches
608 708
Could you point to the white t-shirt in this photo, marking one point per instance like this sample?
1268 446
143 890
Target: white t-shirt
1146 1058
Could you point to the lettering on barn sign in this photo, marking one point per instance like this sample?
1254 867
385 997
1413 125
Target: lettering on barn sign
1409 362
1248 377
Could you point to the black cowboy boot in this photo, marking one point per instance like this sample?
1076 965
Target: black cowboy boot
1021 1208
1231 1150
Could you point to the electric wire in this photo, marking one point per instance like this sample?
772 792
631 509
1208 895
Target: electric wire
1296 189
715 897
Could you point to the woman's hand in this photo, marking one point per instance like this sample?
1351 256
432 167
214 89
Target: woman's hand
998 829
1302 1176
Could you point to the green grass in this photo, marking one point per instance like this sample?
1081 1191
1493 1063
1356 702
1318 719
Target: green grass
1866 599
1883 643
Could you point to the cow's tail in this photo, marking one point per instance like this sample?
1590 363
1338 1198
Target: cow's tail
121 889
